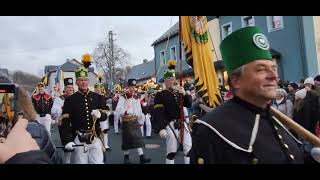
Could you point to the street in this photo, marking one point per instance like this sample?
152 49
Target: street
155 149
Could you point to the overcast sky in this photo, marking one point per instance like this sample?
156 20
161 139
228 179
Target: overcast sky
29 43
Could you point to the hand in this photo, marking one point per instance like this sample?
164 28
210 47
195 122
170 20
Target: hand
105 141
181 90
96 113
163 133
54 117
48 116
18 140
104 125
69 146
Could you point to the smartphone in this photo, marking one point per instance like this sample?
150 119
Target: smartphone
8 108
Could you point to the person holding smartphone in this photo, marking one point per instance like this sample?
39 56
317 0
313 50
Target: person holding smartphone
27 142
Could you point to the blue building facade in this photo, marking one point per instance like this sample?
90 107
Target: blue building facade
292 38
166 47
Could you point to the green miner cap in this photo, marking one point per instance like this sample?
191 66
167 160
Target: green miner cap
98 86
81 72
244 46
169 74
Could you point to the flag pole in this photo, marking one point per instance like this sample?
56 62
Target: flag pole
180 78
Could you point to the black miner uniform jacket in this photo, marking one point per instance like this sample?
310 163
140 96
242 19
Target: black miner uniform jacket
42 104
166 108
76 114
63 97
240 133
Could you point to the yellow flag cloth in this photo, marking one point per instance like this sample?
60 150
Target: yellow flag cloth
199 55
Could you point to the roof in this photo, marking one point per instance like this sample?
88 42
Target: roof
209 18
4 72
187 70
66 67
142 71
4 76
174 30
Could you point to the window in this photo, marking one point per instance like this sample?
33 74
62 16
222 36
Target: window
173 53
247 21
163 57
226 29
274 23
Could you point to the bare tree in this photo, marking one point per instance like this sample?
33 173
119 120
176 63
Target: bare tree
110 63
128 69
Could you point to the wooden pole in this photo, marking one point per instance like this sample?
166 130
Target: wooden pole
308 136
180 78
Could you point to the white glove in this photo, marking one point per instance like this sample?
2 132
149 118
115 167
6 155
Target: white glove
104 125
105 141
315 153
163 133
144 104
96 113
69 146
48 116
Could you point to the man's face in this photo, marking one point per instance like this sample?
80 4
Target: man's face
259 80
98 91
308 85
69 90
82 83
290 88
169 83
278 95
41 90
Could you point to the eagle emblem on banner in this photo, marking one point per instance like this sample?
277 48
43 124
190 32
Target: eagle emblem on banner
199 28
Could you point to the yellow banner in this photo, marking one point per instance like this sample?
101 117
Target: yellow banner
198 51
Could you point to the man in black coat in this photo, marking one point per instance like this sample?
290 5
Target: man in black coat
243 130
167 116
81 116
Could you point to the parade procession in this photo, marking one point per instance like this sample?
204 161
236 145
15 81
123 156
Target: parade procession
216 90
